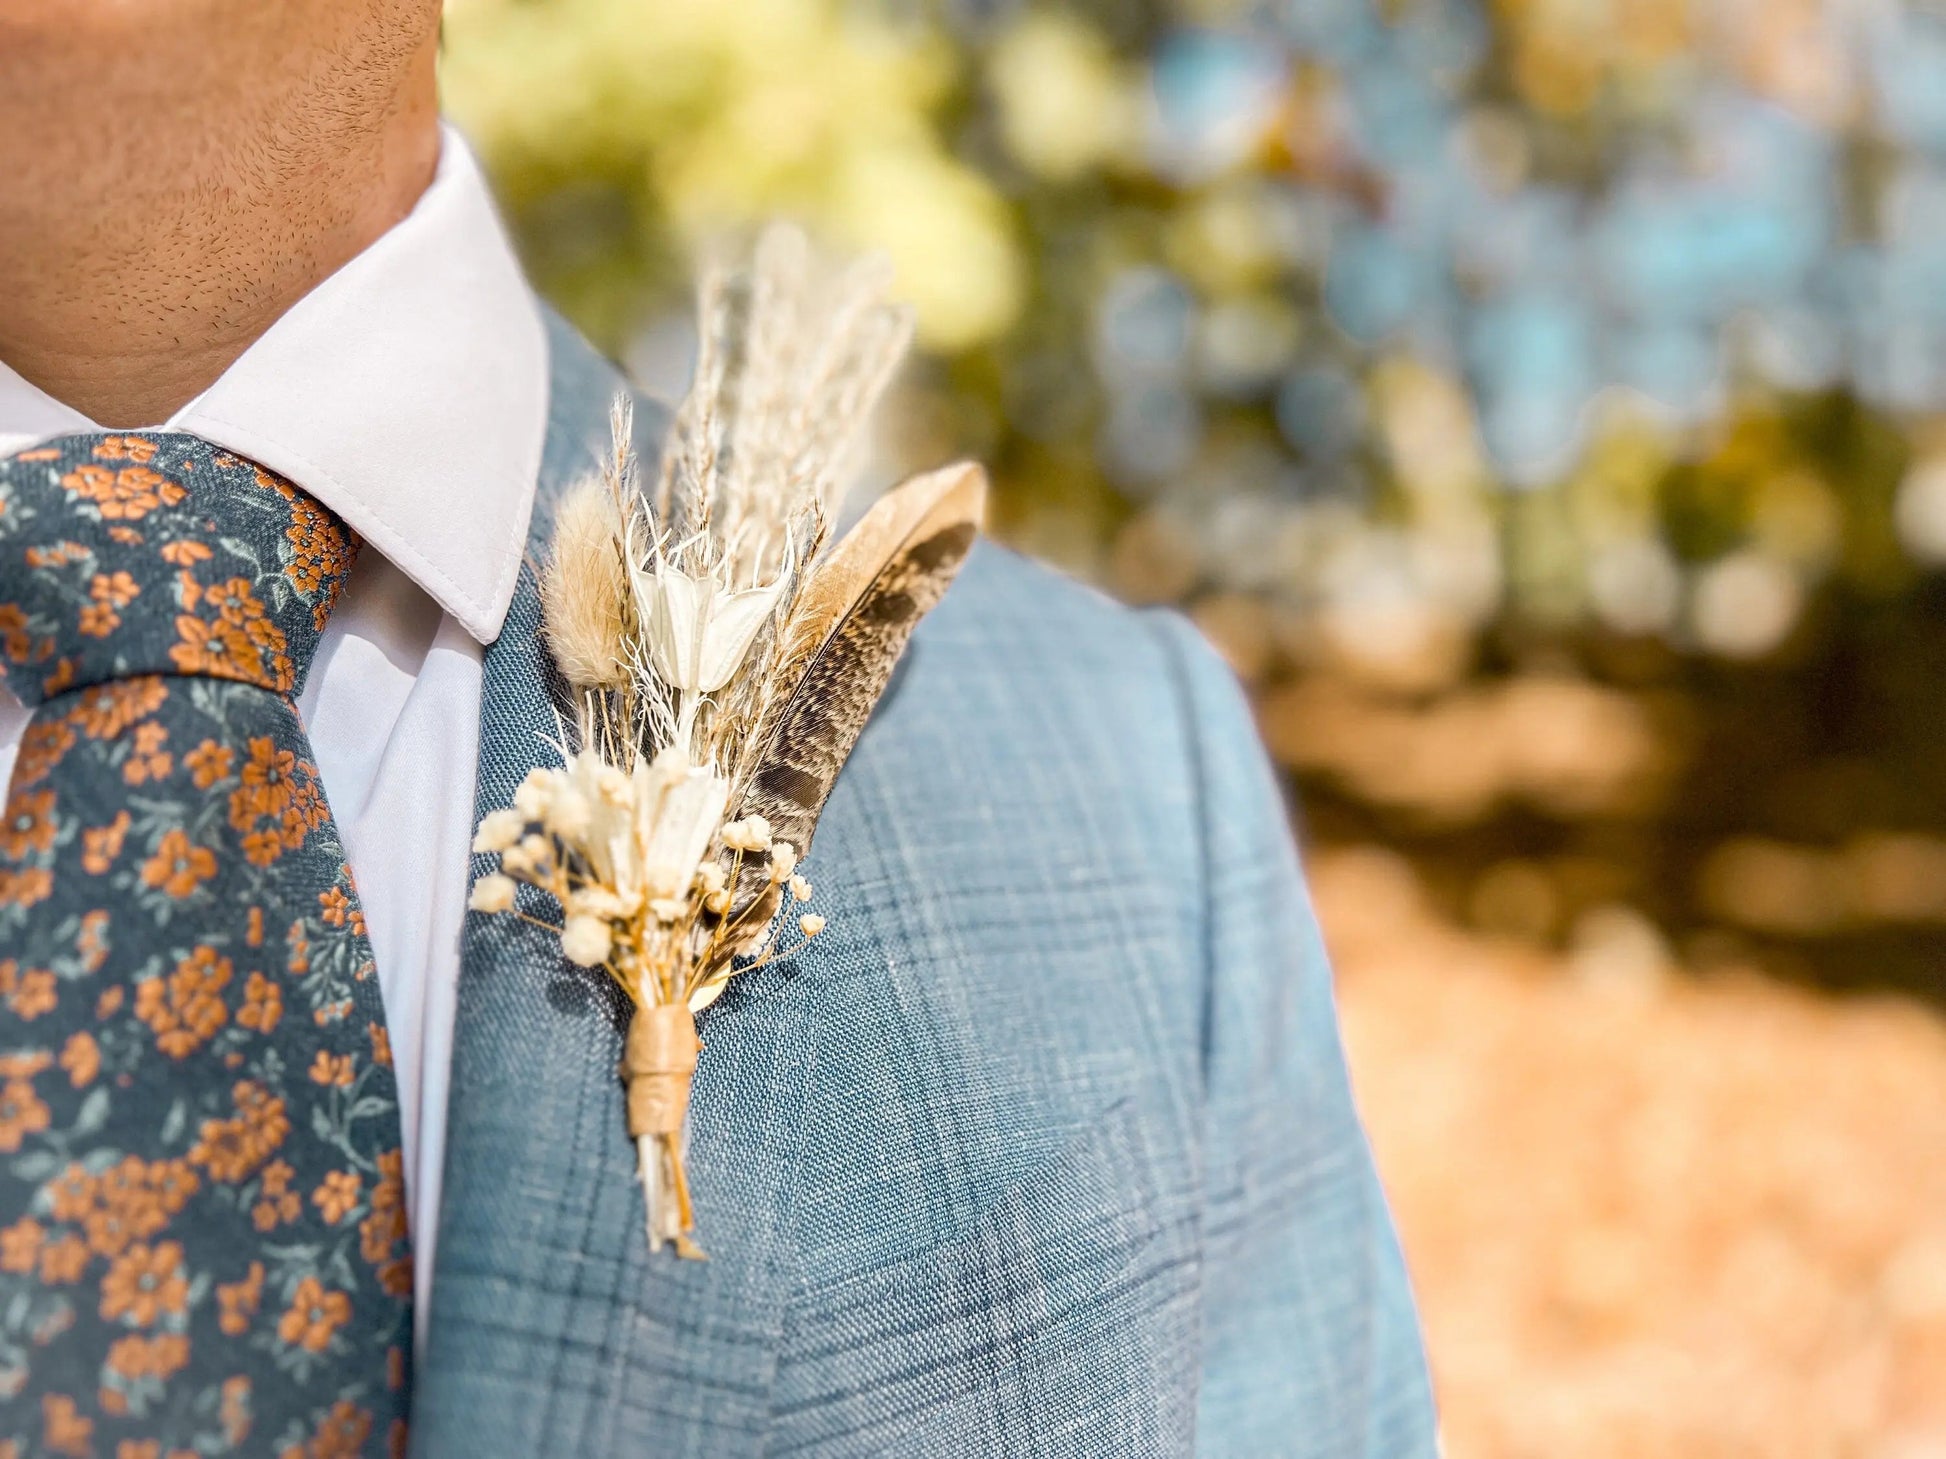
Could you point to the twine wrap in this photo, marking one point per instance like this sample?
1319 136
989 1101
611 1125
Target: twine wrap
659 1063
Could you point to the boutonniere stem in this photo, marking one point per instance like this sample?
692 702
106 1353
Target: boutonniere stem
659 1063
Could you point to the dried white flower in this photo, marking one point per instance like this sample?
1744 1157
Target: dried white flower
597 902
610 784
675 827
516 862
699 631
783 860
752 833
499 830
567 814
810 924
492 893
585 941
800 889
534 793
668 909
710 877
718 901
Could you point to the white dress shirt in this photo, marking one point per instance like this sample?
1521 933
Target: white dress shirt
408 393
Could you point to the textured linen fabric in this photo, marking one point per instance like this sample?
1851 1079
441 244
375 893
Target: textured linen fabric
408 394
1045 1145
202 1231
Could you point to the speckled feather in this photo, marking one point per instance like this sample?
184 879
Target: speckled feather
813 728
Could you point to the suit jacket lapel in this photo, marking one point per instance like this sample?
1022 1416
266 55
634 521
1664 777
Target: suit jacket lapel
551 1329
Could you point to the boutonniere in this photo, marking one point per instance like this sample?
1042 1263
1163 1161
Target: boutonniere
723 653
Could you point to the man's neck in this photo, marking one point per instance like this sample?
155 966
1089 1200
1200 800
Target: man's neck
132 288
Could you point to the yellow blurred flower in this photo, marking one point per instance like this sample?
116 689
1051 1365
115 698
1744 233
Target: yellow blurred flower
1226 241
947 233
717 116
1065 105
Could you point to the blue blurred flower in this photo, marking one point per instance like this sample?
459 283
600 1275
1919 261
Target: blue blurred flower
1373 282
1321 412
1216 96
1150 435
1143 325
1531 357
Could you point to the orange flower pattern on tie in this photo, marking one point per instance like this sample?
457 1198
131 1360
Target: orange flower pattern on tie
203 1243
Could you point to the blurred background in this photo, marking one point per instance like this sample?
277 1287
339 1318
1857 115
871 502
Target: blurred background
1542 404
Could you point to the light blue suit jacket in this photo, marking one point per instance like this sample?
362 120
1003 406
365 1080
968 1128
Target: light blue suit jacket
1043 1148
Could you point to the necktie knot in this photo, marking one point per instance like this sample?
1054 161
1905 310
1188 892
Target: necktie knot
123 555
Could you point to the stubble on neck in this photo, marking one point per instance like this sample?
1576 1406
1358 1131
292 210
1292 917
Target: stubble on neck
183 171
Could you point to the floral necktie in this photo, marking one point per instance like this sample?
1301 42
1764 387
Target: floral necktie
203 1245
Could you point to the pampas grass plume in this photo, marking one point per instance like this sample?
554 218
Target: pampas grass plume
585 603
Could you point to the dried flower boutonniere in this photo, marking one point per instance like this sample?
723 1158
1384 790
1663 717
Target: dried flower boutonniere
723 654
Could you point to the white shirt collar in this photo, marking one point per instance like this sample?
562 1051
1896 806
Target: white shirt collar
407 392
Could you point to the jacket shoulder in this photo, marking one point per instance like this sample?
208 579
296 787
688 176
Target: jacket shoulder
1044 635
1063 670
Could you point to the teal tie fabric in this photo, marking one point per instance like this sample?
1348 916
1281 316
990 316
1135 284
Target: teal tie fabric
203 1244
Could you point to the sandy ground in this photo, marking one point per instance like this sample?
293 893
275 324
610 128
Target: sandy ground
1649 1214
